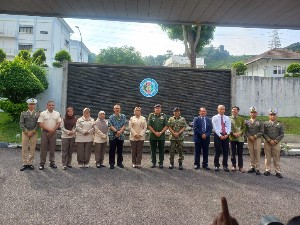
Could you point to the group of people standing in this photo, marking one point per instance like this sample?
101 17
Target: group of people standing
83 132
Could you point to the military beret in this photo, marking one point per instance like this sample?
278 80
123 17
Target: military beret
31 101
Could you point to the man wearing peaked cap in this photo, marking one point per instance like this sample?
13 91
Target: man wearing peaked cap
29 126
254 132
273 134
157 124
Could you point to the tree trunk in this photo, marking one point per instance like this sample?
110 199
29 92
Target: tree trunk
190 42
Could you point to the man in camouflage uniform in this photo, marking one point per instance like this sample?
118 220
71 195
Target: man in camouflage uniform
273 134
157 124
29 126
177 125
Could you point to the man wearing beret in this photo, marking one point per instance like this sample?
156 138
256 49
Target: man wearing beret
157 124
29 126
177 125
254 132
273 134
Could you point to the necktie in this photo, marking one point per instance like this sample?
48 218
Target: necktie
223 126
202 125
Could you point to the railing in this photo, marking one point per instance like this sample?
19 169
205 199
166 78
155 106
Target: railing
8 33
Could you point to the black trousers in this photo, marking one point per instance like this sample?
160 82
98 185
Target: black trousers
237 148
221 146
113 144
203 144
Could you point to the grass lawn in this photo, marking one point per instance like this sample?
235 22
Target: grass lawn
9 129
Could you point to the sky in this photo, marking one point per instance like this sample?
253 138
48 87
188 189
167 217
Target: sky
149 39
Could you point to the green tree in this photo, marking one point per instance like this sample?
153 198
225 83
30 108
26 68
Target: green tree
294 47
60 57
25 55
124 55
39 57
293 69
40 73
2 55
240 68
17 83
194 37
158 60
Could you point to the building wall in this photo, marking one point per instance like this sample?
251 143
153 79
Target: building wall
265 67
265 93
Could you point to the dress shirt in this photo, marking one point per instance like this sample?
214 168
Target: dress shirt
216 122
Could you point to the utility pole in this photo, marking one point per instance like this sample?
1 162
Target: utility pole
80 43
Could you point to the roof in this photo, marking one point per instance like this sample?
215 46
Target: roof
239 13
277 53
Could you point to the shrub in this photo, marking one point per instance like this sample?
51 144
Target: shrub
13 109
40 73
2 55
25 55
39 57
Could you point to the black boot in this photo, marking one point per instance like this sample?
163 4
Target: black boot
180 166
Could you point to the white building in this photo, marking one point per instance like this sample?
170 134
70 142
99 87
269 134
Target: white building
181 61
76 51
33 32
272 63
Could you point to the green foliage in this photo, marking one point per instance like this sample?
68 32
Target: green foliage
13 109
17 83
293 68
25 55
294 47
57 64
157 60
40 73
240 68
39 57
175 32
62 55
124 55
2 55
9 129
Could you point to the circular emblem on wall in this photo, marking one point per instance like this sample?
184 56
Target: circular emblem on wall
148 87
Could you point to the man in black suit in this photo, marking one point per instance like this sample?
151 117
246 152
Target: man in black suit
202 130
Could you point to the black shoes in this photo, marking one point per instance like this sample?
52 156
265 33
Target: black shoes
153 166
31 167
161 166
252 170
111 167
206 168
267 173
69 166
53 166
98 166
24 167
171 166
225 169
41 167
196 167
121 166
257 172
102 165
279 175
217 168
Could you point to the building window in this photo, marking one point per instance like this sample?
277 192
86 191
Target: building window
43 32
279 70
25 47
26 29
66 43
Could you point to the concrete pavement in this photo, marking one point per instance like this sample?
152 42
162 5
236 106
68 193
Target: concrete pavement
141 196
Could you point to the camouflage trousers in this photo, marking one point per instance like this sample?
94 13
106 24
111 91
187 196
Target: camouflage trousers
176 147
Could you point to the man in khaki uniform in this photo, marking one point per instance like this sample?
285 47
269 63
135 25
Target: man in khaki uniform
29 126
49 120
273 134
254 132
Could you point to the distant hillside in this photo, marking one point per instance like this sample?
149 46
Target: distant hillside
294 47
219 58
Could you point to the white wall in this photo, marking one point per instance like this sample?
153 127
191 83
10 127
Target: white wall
55 90
265 93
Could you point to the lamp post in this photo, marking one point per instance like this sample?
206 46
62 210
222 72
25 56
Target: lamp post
80 43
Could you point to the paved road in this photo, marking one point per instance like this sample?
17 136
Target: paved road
141 196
